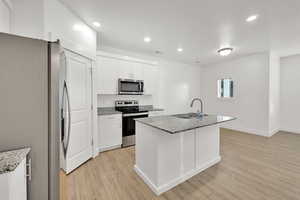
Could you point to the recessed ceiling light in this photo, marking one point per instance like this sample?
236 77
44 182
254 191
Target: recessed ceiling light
96 24
252 18
79 27
179 49
225 51
147 39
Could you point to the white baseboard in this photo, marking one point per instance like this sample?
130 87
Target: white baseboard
262 133
274 132
290 130
163 188
101 149
248 130
146 180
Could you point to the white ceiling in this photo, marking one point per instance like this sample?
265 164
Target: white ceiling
200 27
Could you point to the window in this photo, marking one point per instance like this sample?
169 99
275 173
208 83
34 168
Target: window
225 88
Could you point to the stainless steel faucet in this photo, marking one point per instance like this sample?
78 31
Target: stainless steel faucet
197 99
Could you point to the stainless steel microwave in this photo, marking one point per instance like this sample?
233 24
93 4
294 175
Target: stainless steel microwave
131 87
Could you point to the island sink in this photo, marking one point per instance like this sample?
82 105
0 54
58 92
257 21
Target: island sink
191 115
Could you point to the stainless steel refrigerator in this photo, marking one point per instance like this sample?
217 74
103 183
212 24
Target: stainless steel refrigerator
31 85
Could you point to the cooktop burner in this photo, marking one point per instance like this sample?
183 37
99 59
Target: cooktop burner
128 109
128 106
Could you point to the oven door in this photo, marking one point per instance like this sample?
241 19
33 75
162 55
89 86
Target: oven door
127 86
129 127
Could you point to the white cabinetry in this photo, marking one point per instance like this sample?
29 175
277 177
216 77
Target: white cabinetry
5 14
107 75
151 79
109 131
13 185
110 69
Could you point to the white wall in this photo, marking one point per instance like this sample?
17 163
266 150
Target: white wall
251 97
179 84
61 23
274 93
5 18
290 94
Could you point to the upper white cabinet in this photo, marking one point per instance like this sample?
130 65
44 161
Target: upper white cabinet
151 79
4 17
51 20
137 69
110 69
107 75
74 34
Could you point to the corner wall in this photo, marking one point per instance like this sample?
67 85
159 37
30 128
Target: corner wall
290 94
251 92
274 94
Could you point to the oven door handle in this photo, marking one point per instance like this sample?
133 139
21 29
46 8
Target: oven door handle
135 114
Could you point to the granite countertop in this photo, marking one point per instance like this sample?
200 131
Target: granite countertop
10 160
149 108
173 124
112 110
107 111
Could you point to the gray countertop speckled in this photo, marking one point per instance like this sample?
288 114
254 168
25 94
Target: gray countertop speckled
10 160
112 110
172 124
107 111
149 108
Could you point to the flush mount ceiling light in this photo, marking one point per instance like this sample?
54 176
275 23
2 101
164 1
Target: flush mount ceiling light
252 18
96 24
147 39
225 51
158 52
179 49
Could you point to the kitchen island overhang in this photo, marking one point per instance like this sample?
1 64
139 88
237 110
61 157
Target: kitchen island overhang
170 150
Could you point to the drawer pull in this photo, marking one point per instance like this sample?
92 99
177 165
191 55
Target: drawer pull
28 165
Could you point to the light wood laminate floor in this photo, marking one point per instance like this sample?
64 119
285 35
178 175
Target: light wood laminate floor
252 168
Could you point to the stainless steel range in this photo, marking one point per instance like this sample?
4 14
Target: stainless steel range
131 111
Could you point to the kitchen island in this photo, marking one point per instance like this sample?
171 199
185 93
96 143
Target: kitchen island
171 149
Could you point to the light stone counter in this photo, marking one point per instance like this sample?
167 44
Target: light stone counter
10 160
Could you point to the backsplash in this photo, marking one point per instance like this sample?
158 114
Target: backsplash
107 100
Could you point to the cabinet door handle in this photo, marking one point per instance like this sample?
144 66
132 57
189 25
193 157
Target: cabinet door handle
28 165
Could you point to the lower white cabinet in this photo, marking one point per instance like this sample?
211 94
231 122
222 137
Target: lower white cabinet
13 185
156 113
109 132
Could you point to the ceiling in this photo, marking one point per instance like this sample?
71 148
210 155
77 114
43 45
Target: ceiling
200 27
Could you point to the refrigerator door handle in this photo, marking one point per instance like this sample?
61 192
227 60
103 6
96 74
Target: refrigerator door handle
69 117
65 138
63 121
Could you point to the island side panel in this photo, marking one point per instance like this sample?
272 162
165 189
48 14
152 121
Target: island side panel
188 152
146 154
208 146
169 159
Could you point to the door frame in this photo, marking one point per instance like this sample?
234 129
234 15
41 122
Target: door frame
94 109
